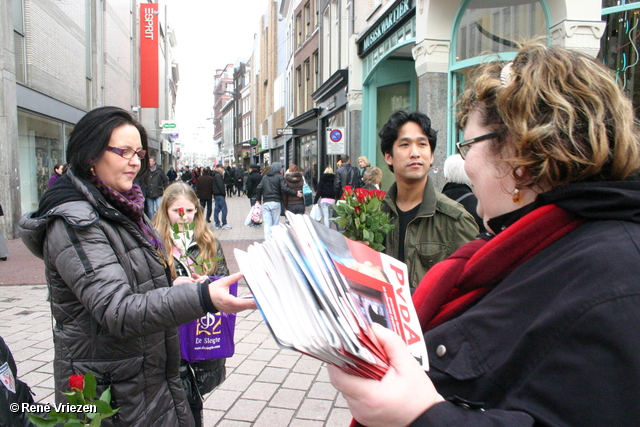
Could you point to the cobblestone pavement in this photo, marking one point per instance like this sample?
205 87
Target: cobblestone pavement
265 386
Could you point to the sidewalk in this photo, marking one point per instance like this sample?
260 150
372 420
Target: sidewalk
265 386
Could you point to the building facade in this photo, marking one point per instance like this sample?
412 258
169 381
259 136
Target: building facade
46 88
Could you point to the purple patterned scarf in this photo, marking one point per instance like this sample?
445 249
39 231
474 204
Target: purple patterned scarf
131 204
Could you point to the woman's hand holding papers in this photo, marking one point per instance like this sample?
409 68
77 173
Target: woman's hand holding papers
375 403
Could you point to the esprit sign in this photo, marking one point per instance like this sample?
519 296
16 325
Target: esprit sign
149 55
389 21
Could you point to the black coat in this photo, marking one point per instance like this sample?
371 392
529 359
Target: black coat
325 187
218 184
556 343
204 187
463 194
252 183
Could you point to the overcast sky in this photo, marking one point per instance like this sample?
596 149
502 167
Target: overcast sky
209 35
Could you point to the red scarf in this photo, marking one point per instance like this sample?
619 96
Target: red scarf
453 285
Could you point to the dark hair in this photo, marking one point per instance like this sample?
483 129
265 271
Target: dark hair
344 158
389 132
90 138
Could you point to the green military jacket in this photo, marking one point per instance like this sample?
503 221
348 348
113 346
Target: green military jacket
440 227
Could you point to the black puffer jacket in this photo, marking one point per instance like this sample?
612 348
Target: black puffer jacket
273 186
114 311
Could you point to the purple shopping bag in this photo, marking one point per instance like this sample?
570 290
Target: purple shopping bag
209 337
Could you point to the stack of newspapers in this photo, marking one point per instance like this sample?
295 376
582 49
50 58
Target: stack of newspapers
319 294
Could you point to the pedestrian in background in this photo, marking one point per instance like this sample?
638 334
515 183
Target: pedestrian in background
58 170
458 187
229 180
326 195
4 252
204 190
198 378
252 183
271 188
239 179
155 181
294 181
372 177
172 174
115 311
220 201
363 164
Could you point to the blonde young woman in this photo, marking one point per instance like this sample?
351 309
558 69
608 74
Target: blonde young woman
180 206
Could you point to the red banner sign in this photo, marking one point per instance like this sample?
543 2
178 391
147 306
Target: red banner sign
149 55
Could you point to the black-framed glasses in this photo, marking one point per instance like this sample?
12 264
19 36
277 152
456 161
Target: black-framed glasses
465 146
128 153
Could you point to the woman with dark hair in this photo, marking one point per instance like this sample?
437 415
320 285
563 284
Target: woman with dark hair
115 311
58 170
295 181
535 323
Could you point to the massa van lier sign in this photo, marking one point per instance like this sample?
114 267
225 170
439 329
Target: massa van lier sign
388 23
149 55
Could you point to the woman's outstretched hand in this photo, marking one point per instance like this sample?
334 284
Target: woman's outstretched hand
399 398
223 300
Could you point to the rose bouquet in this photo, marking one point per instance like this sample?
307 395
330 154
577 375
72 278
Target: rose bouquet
83 408
360 217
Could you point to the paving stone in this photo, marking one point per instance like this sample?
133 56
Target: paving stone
298 381
339 417
245 347
260 391
43 395
323 374
210 418
26 366
237 382
287 398
256 337
314 409
273 375
245 410
263 354
271 417
221 400
340 401
34 378
247 324
307 365
284 361
233 423
297 422
251 367
322 390
235 360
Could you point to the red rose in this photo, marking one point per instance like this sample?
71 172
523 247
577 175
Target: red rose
380 194
76 382
357 209
348 189
362 194
181 211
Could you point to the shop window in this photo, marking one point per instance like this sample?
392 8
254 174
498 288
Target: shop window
619 50
486 29
41 145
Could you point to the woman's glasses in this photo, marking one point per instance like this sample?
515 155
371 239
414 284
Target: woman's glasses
128 153
465 146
